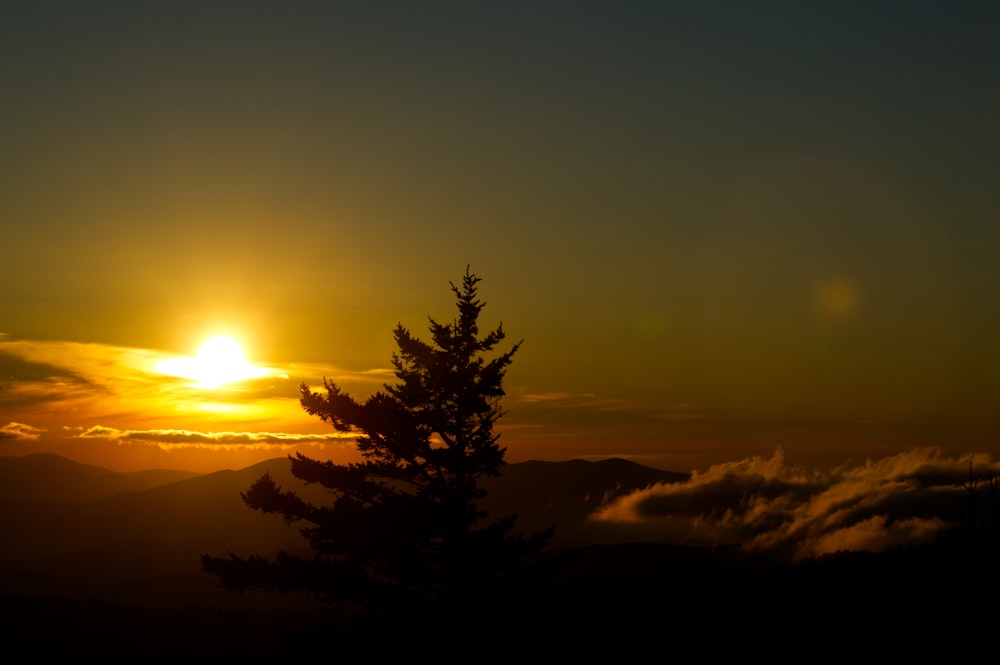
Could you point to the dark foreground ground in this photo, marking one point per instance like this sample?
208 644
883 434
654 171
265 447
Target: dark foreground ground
623 602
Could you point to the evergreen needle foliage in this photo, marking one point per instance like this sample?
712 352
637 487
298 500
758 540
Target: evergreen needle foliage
404 521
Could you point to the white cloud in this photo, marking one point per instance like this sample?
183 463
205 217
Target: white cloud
767 506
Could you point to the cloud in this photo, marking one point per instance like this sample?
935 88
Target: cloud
180 438
25 380
73 383
577 405
20 431
567 400
765 505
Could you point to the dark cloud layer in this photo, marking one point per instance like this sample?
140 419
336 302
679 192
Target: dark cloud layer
15 368
24 382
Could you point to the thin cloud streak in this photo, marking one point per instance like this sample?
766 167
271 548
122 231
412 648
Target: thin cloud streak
765 505
556 401
178 438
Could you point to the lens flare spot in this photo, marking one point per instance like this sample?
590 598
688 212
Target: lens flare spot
837 300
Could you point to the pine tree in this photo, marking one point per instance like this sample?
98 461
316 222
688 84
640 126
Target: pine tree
405 520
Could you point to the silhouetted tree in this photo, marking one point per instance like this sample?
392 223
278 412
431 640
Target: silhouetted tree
405 520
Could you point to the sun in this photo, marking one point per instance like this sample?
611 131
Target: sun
219 361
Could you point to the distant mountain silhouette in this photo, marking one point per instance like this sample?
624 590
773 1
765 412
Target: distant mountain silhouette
123 547
51 478
137 537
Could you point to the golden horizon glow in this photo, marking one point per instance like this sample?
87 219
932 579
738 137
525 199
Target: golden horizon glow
219 361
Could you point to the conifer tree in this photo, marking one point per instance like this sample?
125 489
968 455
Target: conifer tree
405 520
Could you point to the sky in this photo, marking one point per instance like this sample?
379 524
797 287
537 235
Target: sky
722 229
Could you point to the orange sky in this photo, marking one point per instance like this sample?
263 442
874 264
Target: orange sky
718 232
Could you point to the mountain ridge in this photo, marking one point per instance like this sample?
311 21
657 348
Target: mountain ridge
122 546
48 477
26 478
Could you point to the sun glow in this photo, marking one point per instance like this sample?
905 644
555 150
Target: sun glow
219 361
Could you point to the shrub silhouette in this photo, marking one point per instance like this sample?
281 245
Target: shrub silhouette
404 522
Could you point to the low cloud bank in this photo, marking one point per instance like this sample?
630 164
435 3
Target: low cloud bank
765 505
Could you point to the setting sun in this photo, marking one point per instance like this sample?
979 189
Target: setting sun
219 361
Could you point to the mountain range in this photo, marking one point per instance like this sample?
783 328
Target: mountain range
72 529
108 564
